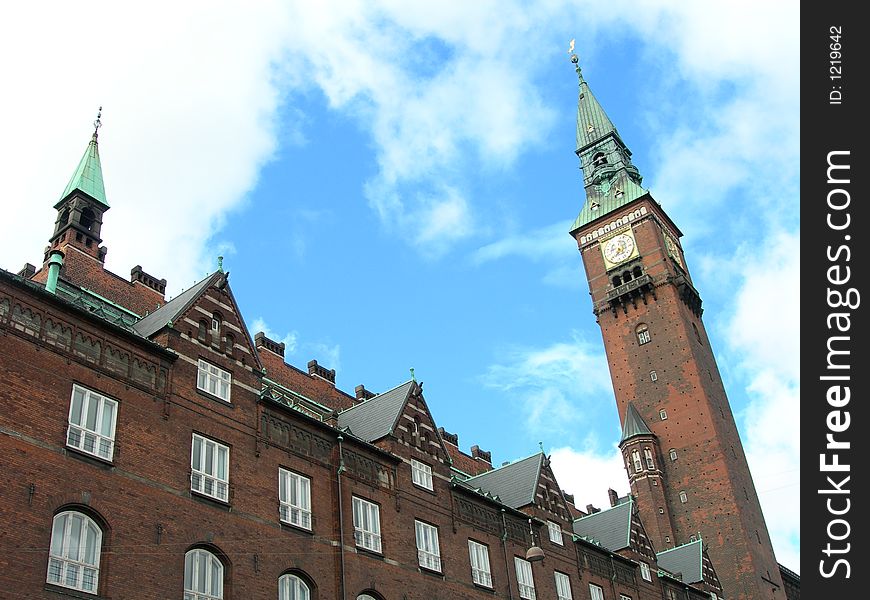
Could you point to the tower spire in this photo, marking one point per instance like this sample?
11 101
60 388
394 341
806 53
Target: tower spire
88 176
609 177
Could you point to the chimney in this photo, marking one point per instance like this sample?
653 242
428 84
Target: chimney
614 498
450 438
27 271
483 455
591 509
137 275
261 341
362 394
316 370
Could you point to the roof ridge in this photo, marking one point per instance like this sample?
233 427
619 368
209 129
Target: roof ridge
368 400
602 511
510 464
697 541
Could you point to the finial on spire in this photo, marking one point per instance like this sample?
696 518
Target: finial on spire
541 444
221 264
413 378
98 123
575 60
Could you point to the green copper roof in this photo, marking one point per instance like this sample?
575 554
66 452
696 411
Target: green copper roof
634 424
88 176
592 122
624 191
609 178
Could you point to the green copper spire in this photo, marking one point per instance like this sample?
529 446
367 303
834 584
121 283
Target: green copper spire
634 424
609 178
88 176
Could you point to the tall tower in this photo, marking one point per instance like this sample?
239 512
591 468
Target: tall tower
668 389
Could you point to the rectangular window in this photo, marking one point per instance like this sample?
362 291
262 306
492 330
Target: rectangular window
209 468
596 592
524 578
214 380
428 552
563 586
555 532
92 423
421 474
644 572
480 572
643 337
294 494
366 524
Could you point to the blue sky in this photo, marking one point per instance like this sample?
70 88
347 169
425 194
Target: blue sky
391 185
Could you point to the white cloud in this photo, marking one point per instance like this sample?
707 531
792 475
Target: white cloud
768 346
290 339
588 474
558 386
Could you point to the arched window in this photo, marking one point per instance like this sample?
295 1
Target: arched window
626 276
64 216
366 597
635 457
230 343
647 454
637 272
617 281
74 556
202 331
216 323
291 587
599 160
643 336
203 576
87 218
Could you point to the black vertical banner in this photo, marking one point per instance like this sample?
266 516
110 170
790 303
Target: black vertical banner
835 361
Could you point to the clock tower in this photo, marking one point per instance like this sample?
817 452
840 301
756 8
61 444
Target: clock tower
682 451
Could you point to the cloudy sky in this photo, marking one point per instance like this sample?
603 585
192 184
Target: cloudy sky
391 184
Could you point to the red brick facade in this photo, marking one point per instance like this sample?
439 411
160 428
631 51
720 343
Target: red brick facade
661 360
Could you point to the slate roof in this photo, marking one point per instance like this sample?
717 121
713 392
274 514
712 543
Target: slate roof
686 560
376 417
170 311
634 424
515 484
611 528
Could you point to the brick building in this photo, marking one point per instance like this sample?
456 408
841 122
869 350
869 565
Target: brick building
156 449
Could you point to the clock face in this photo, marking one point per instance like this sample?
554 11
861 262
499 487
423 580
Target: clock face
673 250
618 248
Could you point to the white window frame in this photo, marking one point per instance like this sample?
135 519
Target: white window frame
624 597
596 592
478 555
684 497
69 565
294 498
644 572
212 588
292 587
648 456
428 549
209 468
366 524
525 578
213 380
663 415
635 458
563 586
673 454
555 532
97 438
421 474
